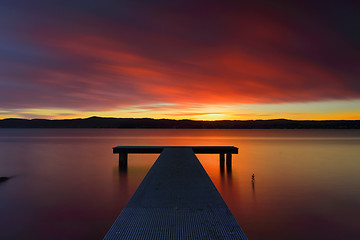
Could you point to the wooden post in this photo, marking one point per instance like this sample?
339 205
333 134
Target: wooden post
123 160
228 161
222 162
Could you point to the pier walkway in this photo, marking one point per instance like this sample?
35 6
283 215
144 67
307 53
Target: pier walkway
176 200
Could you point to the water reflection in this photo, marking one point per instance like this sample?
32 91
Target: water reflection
69 177
121 178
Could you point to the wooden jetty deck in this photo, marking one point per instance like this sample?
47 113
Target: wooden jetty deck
176 200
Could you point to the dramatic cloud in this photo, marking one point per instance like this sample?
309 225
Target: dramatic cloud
103 55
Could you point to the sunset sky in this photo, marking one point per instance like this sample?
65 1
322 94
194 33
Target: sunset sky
180 59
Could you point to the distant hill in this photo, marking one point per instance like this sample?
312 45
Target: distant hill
98 122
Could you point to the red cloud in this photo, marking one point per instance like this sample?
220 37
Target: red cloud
211 55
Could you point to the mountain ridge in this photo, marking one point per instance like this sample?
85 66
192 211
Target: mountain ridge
111 122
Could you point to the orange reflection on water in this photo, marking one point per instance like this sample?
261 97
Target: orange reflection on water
306 181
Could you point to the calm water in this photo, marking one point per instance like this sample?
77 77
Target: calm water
66 183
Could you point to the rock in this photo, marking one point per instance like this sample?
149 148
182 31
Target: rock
4 179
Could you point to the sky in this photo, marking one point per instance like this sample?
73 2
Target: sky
180 59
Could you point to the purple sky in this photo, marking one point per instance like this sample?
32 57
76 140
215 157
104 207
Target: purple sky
88 56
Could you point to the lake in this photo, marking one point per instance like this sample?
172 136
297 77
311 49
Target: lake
66 183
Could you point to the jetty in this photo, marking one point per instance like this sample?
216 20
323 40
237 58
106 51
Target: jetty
176 199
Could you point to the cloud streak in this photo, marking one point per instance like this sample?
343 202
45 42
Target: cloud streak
116 55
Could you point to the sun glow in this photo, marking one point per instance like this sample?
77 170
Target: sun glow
335 110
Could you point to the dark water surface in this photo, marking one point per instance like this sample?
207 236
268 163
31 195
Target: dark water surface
66 183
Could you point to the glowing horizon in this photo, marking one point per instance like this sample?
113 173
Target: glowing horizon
300 111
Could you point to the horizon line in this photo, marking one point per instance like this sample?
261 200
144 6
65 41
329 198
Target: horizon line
170 119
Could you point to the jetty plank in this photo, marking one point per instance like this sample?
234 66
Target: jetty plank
176 200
